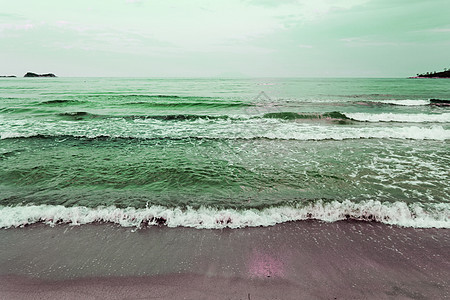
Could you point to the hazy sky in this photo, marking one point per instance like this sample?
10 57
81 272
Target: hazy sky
159 38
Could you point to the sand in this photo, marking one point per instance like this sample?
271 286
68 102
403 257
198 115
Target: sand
296 260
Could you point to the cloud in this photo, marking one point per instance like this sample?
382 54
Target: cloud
15 29
365 41
139 2
25 26
197 25
439 30
260 37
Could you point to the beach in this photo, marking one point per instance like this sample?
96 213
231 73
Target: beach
208 188
294 260
224 150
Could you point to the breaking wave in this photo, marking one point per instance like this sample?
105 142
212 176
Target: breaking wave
294 116
219 129
186 104
405 102
404 118
62 102
82 115
398 213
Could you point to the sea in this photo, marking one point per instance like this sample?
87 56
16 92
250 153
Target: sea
223 153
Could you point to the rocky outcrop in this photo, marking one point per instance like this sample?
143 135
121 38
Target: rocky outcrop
443 74
7 76
30 74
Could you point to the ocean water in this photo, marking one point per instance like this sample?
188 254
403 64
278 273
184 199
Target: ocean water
215 153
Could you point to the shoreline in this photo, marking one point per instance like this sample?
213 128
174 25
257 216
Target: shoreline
306 259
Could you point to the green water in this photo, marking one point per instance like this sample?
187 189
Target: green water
230 143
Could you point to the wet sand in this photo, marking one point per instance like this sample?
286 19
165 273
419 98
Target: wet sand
296 260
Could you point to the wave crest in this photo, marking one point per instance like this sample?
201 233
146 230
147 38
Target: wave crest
398 213
404 118
395 102
335 115
226 129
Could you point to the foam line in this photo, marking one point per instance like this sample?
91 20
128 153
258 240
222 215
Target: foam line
219 129
409 118
398 213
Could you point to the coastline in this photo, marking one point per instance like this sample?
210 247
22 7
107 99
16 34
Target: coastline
423 77
303 259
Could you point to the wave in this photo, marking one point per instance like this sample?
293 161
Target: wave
439 102
61 102
82 115
294 116
181 117
150 129
146 101
367 96
405 102
186 104
398 213
117 94
78 115
14 110
124 97
404 118
152 96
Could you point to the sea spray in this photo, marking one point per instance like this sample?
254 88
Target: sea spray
398 213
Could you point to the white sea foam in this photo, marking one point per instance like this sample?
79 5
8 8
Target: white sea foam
409 118
406 102
223 129
398 213
12 134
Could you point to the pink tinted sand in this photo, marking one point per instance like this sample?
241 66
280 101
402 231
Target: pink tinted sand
265 265
297 260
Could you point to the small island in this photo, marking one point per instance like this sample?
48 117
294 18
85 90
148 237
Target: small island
8 76
30 74
442 74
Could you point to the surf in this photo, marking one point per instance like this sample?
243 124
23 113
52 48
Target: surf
399 214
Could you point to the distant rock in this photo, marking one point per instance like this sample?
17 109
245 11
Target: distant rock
30 74
7 76
443 74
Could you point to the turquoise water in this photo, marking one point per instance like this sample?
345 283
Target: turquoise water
280 149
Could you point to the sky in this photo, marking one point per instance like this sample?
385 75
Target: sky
229 38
